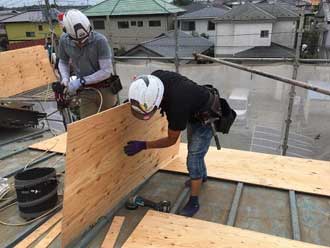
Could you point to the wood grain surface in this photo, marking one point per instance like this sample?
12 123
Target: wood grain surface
54 144
303 175
98 173
158 229
23 70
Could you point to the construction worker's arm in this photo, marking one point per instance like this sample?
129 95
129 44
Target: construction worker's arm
134 147
105 63
170 140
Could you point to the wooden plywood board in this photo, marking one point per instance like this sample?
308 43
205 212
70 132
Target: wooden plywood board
54 144
168 230
304 175
39 231
98 173
114 230
24 69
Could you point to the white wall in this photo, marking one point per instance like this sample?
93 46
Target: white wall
132 36
200 28
233 38
284 33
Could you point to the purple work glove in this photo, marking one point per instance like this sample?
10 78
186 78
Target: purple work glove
134 147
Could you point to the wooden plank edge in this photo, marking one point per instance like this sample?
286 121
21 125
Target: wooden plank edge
51 236
113 233
40 231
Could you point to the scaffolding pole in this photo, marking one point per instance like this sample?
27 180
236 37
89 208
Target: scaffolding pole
267 75
176 42
292 92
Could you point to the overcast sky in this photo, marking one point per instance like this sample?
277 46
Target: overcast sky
19 3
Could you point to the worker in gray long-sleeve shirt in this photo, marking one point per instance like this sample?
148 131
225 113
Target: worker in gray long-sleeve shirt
90 55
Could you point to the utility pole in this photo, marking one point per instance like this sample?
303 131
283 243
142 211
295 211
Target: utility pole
176 61
49 17
292 92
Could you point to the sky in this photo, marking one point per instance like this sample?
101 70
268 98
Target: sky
20 3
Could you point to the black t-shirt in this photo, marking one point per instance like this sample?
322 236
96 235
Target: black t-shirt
182 99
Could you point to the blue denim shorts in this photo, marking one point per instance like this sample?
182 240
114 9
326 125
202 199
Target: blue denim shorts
199 139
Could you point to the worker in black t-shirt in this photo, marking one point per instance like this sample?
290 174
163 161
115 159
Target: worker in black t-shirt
181 100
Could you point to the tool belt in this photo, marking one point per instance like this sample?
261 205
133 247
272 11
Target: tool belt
217 110
113 82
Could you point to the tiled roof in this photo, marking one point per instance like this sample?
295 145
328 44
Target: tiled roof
132 7
207 12
29 16
246 12
165 43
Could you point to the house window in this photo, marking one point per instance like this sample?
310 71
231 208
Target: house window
188 26
154 23
264 33
99 24
122 25
210 26
40 27
133 23
140 23
30 34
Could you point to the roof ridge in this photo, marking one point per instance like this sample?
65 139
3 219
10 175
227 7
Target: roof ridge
266 12
156 1
114 7
279 5
95 5
161 36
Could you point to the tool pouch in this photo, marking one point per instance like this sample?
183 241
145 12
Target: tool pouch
220 108
115 84
227 118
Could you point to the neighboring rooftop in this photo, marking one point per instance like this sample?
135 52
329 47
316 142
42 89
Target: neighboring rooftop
29 16
132 7
278 10
208 12
194 6
246 12
4 14
272 51
163 45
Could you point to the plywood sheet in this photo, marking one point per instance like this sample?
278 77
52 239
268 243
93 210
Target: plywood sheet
98 173
24 69
54 144
304 175
114 230
168 230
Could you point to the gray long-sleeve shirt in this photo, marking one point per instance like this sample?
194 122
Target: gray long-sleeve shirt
93 61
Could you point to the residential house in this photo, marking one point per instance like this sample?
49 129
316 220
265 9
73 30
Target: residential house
26 26
129 22
164 46
255 25
200 22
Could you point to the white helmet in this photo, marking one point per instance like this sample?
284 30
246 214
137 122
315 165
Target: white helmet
77 26
145 95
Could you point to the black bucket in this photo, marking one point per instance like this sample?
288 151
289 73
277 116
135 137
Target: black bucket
36 191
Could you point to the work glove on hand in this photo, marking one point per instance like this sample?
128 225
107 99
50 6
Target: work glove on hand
134 147
73 86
